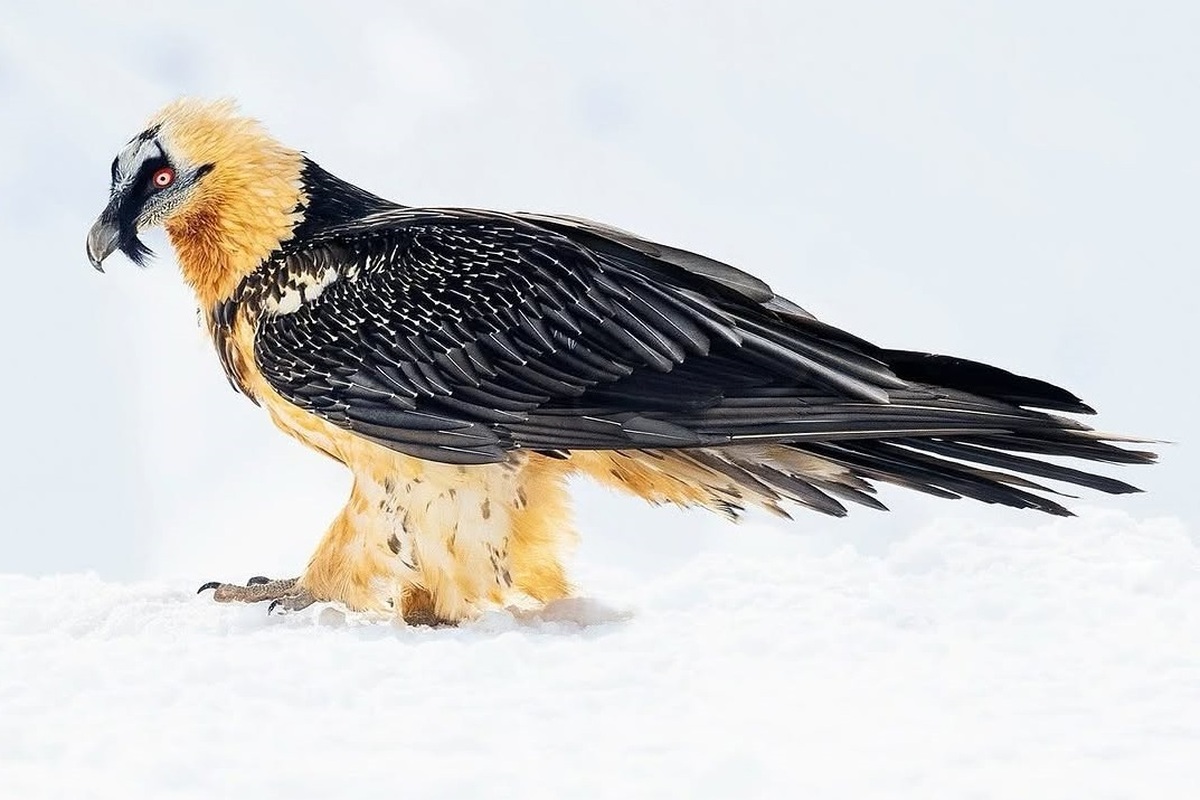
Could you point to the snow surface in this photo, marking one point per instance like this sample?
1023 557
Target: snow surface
1055 659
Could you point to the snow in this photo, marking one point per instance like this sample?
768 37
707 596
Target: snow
1047 659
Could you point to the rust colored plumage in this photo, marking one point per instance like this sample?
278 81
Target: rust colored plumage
465 364
242 209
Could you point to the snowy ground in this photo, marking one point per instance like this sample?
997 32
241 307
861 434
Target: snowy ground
1057 660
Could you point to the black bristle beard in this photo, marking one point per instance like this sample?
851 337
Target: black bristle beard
134 248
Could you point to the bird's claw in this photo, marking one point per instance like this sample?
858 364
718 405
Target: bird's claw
293 602
285 595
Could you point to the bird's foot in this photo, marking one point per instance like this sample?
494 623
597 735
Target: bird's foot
428 619
285 594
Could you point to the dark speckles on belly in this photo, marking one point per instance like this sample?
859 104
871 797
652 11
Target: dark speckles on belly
485 510
499 558
394 544
389 485
521 499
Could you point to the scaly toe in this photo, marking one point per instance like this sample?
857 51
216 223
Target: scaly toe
255 591
293 602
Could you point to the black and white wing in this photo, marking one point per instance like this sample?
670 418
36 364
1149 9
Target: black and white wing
458 335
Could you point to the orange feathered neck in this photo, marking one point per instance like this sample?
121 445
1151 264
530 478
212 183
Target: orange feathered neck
242 209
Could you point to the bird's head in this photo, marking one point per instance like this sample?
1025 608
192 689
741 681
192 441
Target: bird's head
226 192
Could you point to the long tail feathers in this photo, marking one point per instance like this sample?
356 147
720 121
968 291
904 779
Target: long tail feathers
823 476
991 466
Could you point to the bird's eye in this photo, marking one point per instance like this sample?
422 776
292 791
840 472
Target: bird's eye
162 178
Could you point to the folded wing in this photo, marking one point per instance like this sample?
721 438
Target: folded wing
459 336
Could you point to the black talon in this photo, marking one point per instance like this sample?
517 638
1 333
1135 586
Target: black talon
207 586
274 603
258 579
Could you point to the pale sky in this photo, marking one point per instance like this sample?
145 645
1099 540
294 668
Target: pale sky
1015 184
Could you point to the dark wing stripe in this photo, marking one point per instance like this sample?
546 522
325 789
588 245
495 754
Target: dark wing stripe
1080 446
854 495
1030 466
416 378
536 329
642 351
667 318
407 421
945 480
438 381
830 354
664 350
561 318
796 489
840 381
533 378
482 410
457 367
697 315
574 360
500 399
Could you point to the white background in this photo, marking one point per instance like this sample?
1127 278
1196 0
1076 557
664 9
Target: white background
1019 186
1014 183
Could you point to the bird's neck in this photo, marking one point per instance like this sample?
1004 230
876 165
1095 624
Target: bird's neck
240 214
330 201
242 217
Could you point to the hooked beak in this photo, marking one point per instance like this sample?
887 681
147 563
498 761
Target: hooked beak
103 238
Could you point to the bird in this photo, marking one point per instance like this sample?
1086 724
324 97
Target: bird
465 363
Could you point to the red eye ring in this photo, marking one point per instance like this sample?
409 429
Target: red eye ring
162 178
